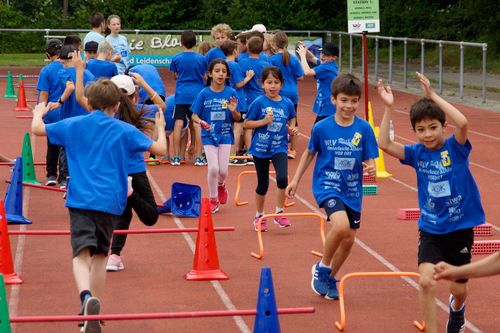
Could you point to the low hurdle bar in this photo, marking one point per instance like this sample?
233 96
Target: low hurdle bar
116 232
342 324
45 163
238 185
260 255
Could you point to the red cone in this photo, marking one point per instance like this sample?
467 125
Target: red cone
21 99
6 265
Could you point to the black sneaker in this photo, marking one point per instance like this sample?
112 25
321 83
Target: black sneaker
238 161
91 306
63 184
51 181
456 319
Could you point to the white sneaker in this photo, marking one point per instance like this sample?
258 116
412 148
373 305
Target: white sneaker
114 263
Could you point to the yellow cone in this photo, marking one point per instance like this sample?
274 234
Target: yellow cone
370 116
379 161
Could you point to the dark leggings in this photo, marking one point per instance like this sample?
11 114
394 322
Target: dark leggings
280 163
144 204
52 159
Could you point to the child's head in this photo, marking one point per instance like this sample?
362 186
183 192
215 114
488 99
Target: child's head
97 20
428 122
114 24
221 32
228 47
66 55
254 45
53 48
128 111
241 40
346 93
103 95
105 48
204 47
272 81
218 70
281 42
188 39
328 52
269 46
91 49
73 40
125 83
259 27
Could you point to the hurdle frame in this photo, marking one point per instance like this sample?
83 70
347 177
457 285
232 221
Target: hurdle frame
238 185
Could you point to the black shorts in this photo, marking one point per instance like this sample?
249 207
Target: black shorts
182 112
333 205
454 248
92 229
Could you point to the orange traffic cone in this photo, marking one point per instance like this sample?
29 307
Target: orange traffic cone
206 261
21 99
6 265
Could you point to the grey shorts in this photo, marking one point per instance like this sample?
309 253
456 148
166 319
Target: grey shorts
92 229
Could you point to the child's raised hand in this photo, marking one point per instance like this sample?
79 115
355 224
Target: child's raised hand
138 79
385 93
425 84
160 119
301 50
250 74
233 103
77 61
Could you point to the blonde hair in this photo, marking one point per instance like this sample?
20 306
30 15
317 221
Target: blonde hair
204 47
104 46
269 39
281 42
222 28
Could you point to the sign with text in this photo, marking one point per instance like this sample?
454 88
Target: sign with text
363 15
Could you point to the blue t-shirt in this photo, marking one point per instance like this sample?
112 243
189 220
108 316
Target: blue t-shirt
120 46
214 53
150 74
98 148
92 36
338 171
49 81
244 55
211 107
253 88
237 76
290 75
101 68
169 113
448 196
271 139
190 68
325 74
70 107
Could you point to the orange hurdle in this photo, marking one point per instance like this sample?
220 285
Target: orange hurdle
259 231
342 324
238 185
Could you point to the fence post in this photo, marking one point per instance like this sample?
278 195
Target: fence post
485 48
405 62
350 53
328 36
340 52
440 67
390 60
461 70
422 57
376 58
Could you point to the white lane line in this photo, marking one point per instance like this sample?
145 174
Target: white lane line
215 284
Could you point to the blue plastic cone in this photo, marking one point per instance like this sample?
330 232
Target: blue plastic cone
266 320
186 200
166 208
14 196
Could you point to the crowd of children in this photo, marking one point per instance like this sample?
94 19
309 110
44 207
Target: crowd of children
240 97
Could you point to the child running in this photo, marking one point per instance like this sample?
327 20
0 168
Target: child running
346 148
448 197
215 110
103 146
270 116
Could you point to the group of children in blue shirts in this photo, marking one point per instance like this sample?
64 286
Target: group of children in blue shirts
344 146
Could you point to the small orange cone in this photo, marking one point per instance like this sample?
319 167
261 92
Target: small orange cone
6 265
21 99
206 261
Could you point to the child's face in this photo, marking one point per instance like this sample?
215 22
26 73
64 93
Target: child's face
346 105
272 86
219 74
242 47
219 38
115 26
430 133
323 58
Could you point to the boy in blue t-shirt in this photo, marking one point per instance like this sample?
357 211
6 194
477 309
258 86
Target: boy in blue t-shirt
346 148
189 68
324 74
95 204
50 90
448 197
101 66
220 33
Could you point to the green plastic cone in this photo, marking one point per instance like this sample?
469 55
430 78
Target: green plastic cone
10 93
4 308
29 175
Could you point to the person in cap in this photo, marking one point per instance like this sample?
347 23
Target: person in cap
91 50
259 27
101 66
325 72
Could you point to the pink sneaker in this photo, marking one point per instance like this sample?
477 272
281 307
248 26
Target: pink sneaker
114 263
222 193
263 224
282 221
214 206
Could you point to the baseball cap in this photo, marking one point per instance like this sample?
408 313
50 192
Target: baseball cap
66 51
124 82
259 27
329 49
53 45
91 46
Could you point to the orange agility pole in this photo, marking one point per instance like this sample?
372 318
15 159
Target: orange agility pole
238 185
342 324
116 232
259 231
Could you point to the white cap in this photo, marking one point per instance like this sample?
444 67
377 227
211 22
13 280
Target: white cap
259 27
124 82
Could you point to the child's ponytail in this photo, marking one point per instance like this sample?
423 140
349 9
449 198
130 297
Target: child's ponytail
281 42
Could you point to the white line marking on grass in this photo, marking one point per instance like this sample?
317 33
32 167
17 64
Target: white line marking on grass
215 284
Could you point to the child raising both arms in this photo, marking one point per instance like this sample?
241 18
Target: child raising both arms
272 117
346 148
448 197
215 110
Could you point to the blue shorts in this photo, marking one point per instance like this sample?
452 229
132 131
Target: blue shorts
333 205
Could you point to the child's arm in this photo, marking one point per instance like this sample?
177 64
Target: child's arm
485 267
70 87
452 112
249 75
384 141
79 90
302 51
159 146
233 103
197 120
268 119
153 94
291 128
305 160
37 124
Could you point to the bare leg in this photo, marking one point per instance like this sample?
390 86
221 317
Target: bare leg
81 270
426 295
338 241
98 274
177 136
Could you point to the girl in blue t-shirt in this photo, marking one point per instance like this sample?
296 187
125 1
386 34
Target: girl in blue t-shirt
272 117
121 49
215 110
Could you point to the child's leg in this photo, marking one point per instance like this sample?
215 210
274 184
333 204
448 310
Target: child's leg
426 296
52 159
4 158
98 274
223 156
459 292
143 200
280 163
247 137
118 241
213 169
262 170
177 136
81 269
198 145
338 242
237 130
